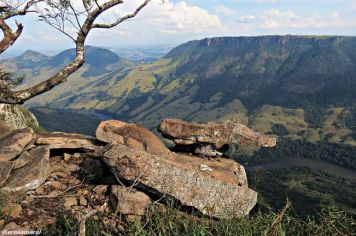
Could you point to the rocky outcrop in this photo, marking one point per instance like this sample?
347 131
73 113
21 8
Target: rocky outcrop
66 141
31 176
14 117
129 155
14 143
131 135
209 138
211 187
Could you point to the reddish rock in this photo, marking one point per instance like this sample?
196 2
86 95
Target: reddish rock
67 141
14 143
2 224
218 134
12 210
100 189
215 187
132 135
67 157
128 201
69 202
40 190
56 185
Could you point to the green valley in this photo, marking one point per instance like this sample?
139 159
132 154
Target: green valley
303 84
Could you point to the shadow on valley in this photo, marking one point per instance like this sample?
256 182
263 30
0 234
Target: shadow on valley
310 175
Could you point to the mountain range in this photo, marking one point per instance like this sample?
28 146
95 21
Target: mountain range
299 87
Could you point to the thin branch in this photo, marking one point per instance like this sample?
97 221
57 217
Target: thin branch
23 11
97 4
87 5
57 26
120 20
76 16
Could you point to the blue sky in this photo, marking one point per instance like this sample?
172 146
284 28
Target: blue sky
178 21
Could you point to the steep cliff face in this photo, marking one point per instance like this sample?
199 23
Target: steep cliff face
15 117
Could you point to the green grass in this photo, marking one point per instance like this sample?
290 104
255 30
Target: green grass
330 221
67 225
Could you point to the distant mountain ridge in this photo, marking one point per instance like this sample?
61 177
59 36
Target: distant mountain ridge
36 67
301 85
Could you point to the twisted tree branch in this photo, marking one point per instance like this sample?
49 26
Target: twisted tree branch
9 37
19 97
7 12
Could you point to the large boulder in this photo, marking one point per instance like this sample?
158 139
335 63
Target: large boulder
207 139
32 175
131 135
219 134
67 141
12 144
215 187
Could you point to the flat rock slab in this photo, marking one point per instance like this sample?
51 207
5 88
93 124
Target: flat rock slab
14 143
211 186
131 135
219 134
22 160
5 169
67 141
32 175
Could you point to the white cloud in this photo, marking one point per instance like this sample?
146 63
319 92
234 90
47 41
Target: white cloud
224 10
275 19
176 22
166 23
159 20
179 17
247 18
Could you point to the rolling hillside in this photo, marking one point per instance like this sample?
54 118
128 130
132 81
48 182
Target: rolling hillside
294 86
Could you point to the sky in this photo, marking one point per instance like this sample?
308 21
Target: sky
178 21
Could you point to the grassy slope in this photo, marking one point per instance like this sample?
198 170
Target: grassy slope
303 83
